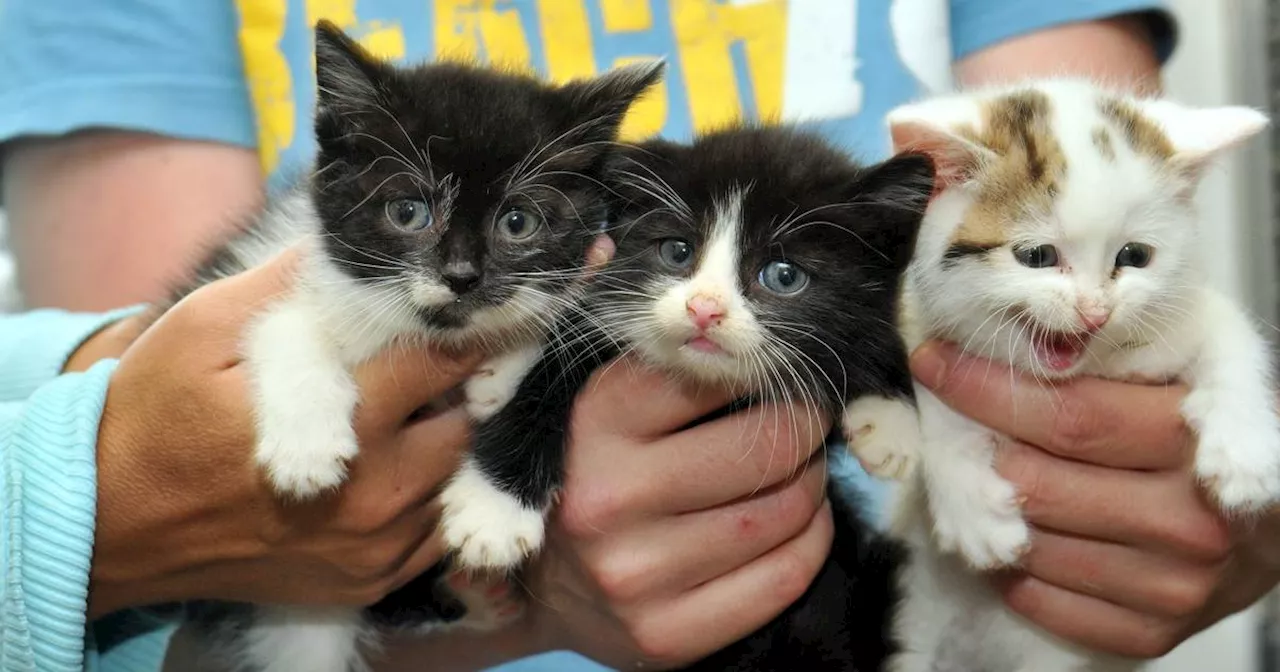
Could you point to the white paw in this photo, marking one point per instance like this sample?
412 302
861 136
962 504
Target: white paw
496 381
485 527
884 434
982 522
303 462
1238 456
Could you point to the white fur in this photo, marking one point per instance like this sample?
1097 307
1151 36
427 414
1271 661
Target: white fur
288 639
957 513
715 277
300 352
486 527
883 433
497 380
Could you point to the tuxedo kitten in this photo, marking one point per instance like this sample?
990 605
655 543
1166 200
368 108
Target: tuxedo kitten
1063 240
764 260
450 204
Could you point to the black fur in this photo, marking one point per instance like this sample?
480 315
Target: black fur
470 145
853 230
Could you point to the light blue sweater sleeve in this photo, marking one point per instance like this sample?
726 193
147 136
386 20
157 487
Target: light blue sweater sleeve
48 471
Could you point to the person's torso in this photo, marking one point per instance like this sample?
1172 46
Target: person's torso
838 65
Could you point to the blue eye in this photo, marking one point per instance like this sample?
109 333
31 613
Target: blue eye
409 214
1040 256
676 253
517 225
783 277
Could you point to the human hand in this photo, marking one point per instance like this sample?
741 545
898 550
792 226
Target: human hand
182 510
668 545
1127 555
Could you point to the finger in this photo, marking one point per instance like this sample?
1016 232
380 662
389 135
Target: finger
727 459
673 555
626 398
1104 422
237 297
734 605
405 377
1161 510
1090 622
1149 583
416 464
423 555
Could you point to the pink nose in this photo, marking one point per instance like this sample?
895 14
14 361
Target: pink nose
1094 321
705 312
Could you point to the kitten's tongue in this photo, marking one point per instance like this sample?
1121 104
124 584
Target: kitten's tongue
1059 351
703 344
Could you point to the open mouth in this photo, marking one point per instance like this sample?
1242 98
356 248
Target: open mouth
1059 350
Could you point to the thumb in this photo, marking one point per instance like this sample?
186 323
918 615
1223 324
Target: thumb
408 376
246 294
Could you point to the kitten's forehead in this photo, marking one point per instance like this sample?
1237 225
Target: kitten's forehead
1049 142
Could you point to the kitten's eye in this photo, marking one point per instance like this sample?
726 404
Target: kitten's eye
783 277
409 214
1137 255
676 253
1040 256
519 224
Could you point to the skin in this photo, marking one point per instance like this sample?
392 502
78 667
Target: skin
615 581
199 522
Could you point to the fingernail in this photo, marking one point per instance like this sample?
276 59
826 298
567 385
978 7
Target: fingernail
929 365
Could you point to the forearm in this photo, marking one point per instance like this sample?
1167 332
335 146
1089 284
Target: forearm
105 219
1118 51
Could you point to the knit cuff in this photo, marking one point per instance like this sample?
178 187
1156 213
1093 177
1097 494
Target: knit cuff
34 346
51 501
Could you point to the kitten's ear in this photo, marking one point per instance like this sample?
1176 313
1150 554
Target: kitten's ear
900 190
931 128
1200 135
348 80
599 104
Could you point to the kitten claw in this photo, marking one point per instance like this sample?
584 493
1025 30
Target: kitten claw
487 528
302 469
884 434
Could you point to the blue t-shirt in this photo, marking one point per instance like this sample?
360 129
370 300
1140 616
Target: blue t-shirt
241 72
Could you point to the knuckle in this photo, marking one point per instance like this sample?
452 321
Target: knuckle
656 646
1077 423
1154 641
1185 596
620 580
792 579
587 511
1206 538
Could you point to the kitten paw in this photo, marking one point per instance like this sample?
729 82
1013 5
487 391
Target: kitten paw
987 530
492 602
497 380
884 434
1238 456
486 527
302 464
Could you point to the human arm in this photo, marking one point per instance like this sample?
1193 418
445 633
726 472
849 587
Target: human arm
666 545
128 144
147 465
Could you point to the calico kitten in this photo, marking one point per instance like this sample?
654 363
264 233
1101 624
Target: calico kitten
451 204
1064 241
765 260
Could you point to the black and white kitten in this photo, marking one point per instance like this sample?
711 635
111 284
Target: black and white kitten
765 260
451 204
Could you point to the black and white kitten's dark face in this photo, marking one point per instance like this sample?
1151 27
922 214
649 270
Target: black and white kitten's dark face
762 258
472 194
